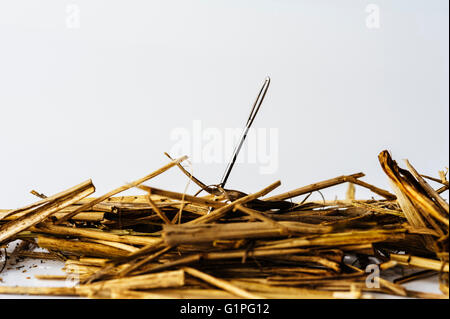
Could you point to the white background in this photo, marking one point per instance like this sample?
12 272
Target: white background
100 101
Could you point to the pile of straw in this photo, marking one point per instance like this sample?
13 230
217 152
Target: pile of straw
229 244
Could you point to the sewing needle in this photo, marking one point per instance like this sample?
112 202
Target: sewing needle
255 109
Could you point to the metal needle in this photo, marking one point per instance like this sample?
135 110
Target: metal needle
255 109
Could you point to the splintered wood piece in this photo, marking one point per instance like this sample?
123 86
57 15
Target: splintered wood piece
407 190
197 233
420 262
45 291
337 239
166 279
83 216
95 234
315 187
48 199
121 189
239 292
160 280
81 248
41 213
157 210
282 292
180 196
443 180
39 255
431 192
373 188
395 288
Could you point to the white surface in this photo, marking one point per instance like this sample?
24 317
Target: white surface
100 101
22 273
